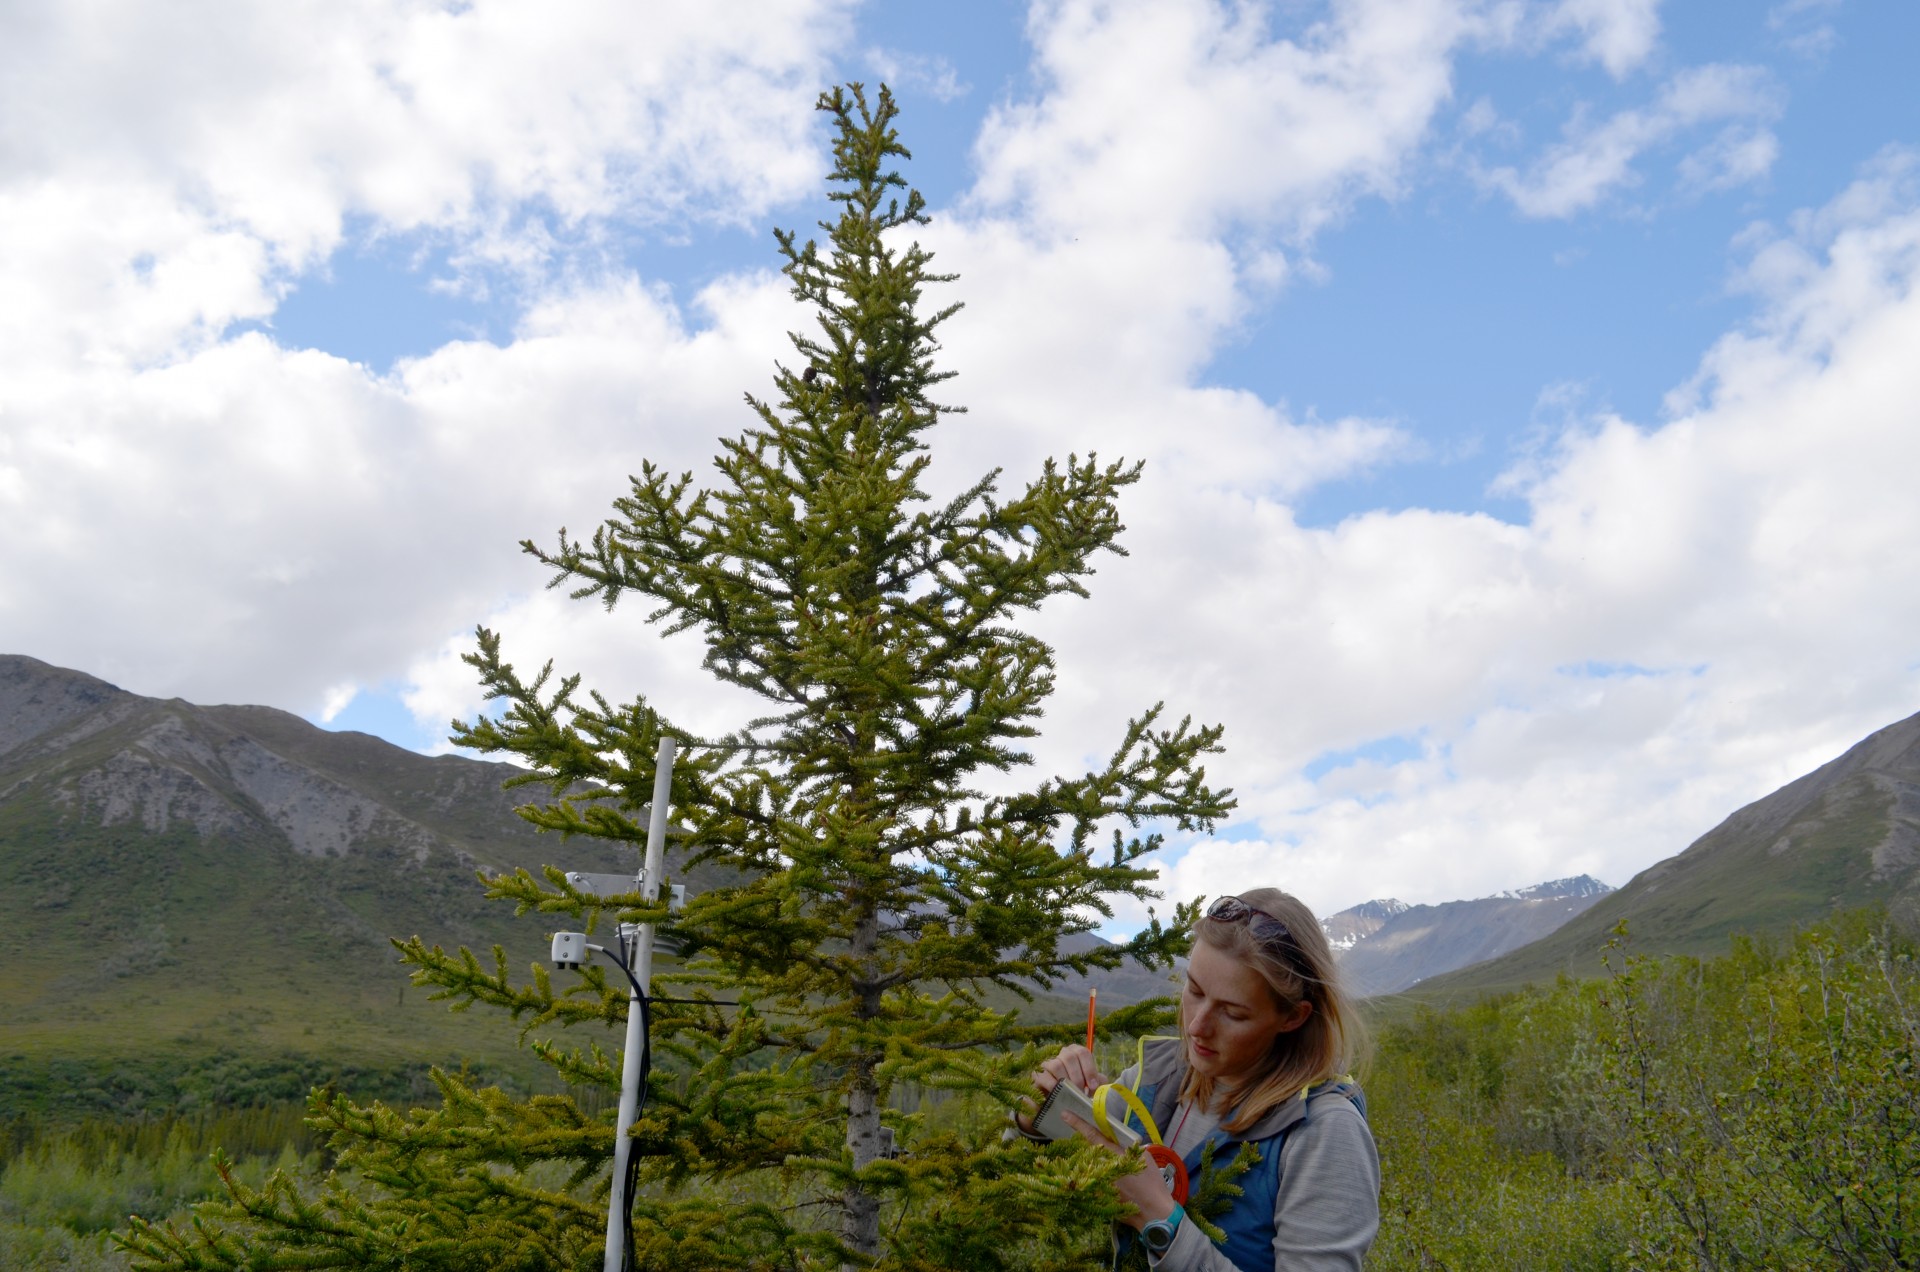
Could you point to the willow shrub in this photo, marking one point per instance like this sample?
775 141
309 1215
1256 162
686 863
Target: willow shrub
64 1188
1495 1150
1759 1110
1772 1103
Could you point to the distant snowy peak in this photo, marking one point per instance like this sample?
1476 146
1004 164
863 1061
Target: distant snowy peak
1384 946
1577 887
1356 926
1352 926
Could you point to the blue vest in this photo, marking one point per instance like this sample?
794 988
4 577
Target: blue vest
1248 1224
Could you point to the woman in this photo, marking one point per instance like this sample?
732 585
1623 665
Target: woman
1265 1035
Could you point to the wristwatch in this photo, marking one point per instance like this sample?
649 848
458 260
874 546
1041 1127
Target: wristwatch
1158 1235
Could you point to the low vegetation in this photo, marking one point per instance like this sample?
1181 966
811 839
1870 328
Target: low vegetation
65 1188
1756 1110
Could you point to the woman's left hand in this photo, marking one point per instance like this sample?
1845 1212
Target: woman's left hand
1146 1188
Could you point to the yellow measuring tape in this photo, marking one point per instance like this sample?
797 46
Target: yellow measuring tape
1129 1096
1157 1152
1132 1100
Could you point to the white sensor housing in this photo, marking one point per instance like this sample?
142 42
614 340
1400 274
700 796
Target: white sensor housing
570 950
606 885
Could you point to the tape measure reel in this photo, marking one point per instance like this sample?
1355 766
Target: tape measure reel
1172 1169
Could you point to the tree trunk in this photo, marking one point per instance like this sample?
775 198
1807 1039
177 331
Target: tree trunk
860 1209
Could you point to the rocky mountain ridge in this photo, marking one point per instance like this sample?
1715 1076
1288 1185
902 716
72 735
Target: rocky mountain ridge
1844 836
1356 923
115 758
174 875
180 878
1388 945
1559 889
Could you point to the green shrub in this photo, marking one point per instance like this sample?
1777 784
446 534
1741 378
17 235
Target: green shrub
1773 1102
1759 1110
64 1188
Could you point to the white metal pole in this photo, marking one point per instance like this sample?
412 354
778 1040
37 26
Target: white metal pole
656 855
642 963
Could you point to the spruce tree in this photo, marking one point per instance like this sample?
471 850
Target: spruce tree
889 904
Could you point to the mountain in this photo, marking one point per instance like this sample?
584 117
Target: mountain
1384 946
1131 982
1578 887
180 882
196 901
1354 925
1845 835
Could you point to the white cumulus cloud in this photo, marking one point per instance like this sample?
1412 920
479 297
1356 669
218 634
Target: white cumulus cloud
166 170
281 525
1186 116
1618 34
1597 158
1690 611
1693 612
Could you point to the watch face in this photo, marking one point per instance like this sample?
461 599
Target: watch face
1158 1235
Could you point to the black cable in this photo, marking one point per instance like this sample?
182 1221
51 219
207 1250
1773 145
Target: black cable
646 1067
640 1102
633 1157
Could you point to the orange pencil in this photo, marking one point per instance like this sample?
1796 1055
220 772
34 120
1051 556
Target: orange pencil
1091 995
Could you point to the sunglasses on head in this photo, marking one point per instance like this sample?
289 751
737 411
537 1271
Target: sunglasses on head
1264 926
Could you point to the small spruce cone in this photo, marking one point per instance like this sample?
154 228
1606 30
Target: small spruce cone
806 377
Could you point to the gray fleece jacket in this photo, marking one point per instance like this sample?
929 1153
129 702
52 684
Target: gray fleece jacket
1327 1206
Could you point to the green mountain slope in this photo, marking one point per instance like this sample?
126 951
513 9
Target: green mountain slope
196 902
180 884
1843 836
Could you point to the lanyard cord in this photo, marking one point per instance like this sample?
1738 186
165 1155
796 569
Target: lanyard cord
1179 1126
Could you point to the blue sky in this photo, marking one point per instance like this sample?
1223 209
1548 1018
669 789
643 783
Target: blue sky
1519 380
1500 326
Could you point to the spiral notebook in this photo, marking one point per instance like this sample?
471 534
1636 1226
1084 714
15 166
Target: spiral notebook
1068 1098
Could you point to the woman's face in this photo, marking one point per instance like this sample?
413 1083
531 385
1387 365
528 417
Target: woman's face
1230 1016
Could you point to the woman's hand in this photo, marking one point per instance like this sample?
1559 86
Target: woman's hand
1146 1188
1073 1064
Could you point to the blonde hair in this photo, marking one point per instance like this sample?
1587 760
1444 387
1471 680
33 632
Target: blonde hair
1331 1042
